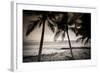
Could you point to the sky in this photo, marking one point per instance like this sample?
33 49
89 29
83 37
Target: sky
36 34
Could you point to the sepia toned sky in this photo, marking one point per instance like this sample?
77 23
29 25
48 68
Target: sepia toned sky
36 34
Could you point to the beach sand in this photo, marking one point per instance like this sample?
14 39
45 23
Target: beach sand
79 54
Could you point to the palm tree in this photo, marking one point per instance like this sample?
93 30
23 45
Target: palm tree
43 17
62 29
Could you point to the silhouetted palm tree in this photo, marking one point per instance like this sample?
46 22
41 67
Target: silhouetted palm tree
62 29
43 17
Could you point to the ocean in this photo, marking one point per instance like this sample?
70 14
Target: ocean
31 48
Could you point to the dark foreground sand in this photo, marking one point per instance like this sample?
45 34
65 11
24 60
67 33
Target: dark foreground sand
79 54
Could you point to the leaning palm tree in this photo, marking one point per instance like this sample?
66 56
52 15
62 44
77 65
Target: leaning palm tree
62 29
43 19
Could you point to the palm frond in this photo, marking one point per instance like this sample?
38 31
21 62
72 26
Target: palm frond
79 39
87 40
63 35
74 18
51 26
31 27
73 29
40 23
57 34
52 16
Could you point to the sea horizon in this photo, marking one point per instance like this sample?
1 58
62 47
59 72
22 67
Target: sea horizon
32 48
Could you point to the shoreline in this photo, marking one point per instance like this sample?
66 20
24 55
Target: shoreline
79 54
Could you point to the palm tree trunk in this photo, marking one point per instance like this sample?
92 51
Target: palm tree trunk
70 45
41 42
